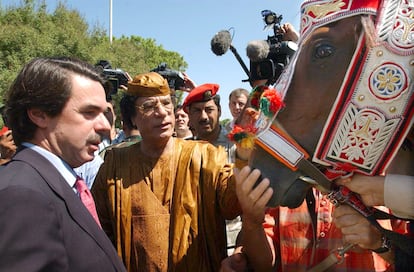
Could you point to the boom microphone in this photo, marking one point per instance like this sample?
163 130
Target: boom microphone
257 50
221 42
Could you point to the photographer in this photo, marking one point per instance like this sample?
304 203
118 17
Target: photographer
287 33
176 80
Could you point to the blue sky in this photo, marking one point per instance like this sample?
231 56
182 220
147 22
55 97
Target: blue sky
187 27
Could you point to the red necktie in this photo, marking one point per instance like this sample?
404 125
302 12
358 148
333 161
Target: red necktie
86 198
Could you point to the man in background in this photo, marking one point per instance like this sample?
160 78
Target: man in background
129 128
203 107
182 128
237 101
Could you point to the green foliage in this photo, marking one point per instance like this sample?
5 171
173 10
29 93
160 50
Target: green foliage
224 122
28 31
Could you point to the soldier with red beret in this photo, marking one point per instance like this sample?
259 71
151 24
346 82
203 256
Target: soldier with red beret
203 107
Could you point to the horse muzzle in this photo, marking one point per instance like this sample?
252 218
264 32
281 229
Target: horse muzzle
288 189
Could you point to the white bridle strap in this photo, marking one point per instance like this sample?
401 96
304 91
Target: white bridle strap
286 150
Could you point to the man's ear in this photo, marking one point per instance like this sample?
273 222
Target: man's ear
38 117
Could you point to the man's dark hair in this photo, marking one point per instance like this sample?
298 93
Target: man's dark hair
45 84
128 110
216 99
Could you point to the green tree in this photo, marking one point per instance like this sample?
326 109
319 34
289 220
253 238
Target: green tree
28 31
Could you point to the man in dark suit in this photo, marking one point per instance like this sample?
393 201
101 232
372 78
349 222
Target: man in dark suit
56 112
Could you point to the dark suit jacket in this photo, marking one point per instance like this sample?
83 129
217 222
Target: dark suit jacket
44 226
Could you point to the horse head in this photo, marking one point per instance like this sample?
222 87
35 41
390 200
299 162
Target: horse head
317 78
340 63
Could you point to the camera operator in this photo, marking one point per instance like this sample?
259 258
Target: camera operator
176 80
189 84
289 33
115 78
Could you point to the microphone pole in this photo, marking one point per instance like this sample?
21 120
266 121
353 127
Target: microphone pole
246 70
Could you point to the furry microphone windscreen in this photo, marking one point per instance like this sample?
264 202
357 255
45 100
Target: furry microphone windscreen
257 50
221 42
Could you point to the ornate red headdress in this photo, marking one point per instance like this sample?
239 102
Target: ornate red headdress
371 118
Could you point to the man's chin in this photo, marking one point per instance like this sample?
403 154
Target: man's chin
166 134
204 134
82 162
89 156
205 129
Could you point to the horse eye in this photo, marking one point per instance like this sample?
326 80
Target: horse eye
324 51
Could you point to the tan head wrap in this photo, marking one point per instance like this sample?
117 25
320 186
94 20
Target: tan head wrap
148 84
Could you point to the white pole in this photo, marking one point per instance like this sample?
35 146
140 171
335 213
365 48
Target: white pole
110 21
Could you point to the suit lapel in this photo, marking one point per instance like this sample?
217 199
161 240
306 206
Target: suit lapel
76 209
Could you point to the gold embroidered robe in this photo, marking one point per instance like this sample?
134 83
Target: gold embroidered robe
134 196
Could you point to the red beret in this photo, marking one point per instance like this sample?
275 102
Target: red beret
201 93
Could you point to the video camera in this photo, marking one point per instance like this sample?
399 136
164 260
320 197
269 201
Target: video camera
278 51
175 78
116 77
